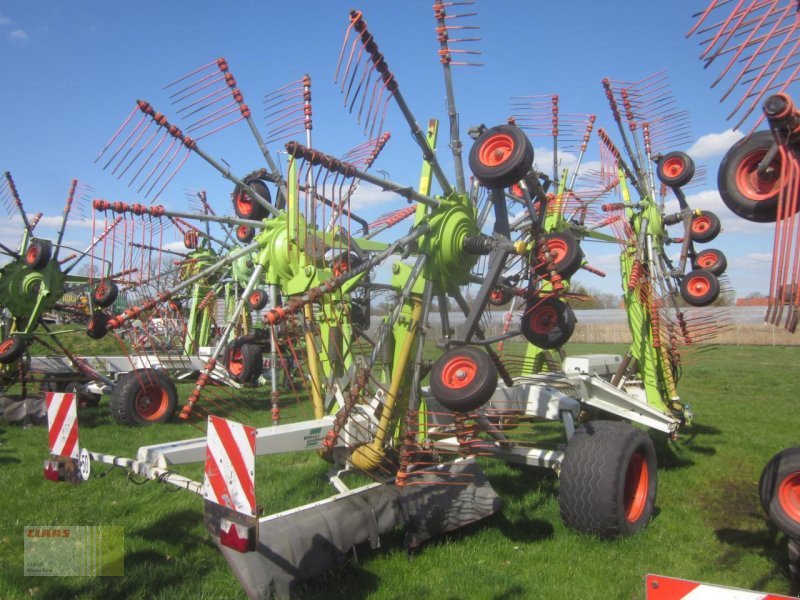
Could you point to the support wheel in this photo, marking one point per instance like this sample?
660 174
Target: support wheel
779 489
711 260
501 156
98 325
257 299
548 323
244 361
37 255
245 234
500 296
11 349
700 287
675 169
247 208
105 293
751 195
565 254
143 397
705 227
463 379
608 480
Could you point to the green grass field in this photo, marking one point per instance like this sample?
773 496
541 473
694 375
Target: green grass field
708 524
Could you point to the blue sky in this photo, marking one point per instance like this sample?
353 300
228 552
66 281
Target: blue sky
72 72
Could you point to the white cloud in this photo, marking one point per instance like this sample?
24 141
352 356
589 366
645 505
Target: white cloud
714 144
371 196
54 222
19 35
711 200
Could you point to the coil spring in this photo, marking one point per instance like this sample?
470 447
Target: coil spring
636 274
478 244
386 354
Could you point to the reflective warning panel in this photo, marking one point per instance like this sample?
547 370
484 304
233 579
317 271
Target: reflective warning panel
671 588
230 463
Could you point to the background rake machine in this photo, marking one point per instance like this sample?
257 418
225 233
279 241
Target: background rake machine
39 284
754 50
656 290
417 444
285 247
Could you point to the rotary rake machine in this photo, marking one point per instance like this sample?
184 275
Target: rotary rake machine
753 48
501 236
282 248
38 283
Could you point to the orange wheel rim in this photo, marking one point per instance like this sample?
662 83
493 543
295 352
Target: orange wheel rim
152 402
100 291
698 286
701 224
242 232
497 295
459 372
243 203
255 298
32 254
558 249
673 167
235 362
543 320
637 485
757 186
496 150
706 261
789 496
6 345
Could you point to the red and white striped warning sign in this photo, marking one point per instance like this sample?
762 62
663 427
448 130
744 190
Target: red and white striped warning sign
230 465
62 424
670 588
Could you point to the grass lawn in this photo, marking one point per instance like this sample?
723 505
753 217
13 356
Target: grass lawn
708 524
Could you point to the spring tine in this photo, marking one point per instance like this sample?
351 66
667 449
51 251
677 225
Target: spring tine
17 202
756 43
389 83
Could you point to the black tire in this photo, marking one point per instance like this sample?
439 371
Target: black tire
37 255
711 260
566 253
751 196
360 313
699 287
244 361
501 156
257 299
500 296
105 293
608 480
143 397
245 234
779 490
97 327
463 379
85 399
548 323
247 208
11 349
675 169
705 227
